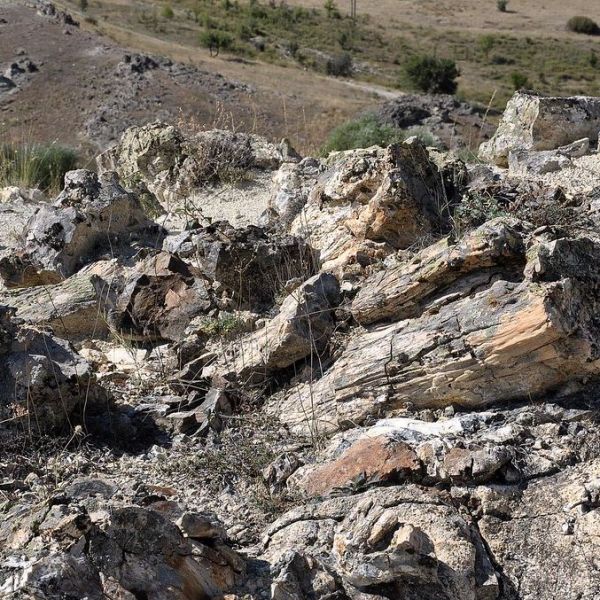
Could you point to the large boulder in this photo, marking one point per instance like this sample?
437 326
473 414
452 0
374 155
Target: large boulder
154 300
96 547
183 170
251 264
534 122
396 542
70 308
89 218
551 549
372 201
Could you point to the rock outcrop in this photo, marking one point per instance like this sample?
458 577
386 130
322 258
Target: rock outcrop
43 379
387 390
369 202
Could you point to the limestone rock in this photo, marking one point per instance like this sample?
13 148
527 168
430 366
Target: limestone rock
552 546
533 122
130 552
192 171
293 183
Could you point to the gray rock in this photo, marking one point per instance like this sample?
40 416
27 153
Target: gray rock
534 122
89 217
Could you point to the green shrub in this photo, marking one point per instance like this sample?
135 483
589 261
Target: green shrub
486 43
35 165
583 25
215 40
433 75
340 65
502 5
361 133
331 9
519 81
167 12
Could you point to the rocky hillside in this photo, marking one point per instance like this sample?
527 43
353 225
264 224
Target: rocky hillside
232 372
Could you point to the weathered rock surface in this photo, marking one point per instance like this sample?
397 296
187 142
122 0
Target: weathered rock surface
89 218
397 415
533 122
507 338
70 307
302 327
182 169
154 300
405 290
252 264
121 551
371 201
42 380
399 542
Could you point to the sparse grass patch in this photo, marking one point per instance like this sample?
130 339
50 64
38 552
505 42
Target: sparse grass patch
35 165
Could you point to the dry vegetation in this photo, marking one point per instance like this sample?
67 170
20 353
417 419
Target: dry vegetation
494 50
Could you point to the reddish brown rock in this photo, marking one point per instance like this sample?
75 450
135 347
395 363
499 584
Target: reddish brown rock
369 459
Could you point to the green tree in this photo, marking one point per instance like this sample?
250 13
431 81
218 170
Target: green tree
433 75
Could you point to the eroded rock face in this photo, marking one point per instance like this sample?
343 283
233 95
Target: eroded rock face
478 344
401 542
371 201
90 217
533 122
43 379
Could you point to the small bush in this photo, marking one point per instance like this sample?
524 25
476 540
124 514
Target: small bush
215 40
340 65
35 165
502 5
519 81
331 9
83 5
167 12
583 25
474 210
433 75
361 133
486 43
